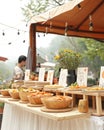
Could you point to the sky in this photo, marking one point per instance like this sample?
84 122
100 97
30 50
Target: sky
11 21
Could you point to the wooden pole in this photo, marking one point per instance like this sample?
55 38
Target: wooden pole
33 45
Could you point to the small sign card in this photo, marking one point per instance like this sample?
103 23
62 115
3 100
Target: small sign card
27 74
50 76
41 74
63 77
101 81
82 73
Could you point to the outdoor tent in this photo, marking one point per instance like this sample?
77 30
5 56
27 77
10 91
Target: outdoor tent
3 58
48 64
81 18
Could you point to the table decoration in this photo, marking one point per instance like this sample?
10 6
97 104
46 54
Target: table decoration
70 60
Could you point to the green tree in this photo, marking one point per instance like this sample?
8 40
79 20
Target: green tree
93 55
34 7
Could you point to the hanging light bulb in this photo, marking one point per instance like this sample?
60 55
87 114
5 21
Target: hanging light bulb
44 34
38 35
91 26
50 25
91 23
9 43
23 41
66 28
26 24
79 6
3 33
90 17
46 30
18 32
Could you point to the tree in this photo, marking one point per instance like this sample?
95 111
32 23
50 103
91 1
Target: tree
34 7
93 55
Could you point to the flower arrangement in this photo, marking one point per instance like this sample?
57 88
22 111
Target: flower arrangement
68 59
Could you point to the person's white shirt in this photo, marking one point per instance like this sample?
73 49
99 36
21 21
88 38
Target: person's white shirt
18 73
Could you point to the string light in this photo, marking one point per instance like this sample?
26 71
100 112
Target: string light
50 25
12 27
24 41
38 35
18 32
66 28
44 34
91 26
46 30
90 23
26 24
9 43
79 6
3 33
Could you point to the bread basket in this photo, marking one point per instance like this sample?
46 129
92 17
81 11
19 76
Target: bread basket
14 93
35 98
5 92
23 93
57 102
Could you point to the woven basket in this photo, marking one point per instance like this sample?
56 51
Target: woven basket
35 98
5 92
14 94
23 95
57 102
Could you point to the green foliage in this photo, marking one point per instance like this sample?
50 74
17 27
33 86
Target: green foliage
34 7
68 59
2 104
91 82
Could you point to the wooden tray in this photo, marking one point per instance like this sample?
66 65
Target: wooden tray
34 105
44 109
93 91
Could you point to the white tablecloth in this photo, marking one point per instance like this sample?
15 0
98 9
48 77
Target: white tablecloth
15 118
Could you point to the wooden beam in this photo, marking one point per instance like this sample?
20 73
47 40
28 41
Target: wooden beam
33 45
91 13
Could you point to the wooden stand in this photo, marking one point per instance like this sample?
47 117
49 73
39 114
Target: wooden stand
96 100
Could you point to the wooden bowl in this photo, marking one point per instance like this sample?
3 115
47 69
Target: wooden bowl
35 98
5 92
14 93
24 93
57 102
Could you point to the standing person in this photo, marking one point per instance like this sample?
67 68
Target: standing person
19 68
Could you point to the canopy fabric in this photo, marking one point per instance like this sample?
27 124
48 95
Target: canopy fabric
3 58
81 18
48 64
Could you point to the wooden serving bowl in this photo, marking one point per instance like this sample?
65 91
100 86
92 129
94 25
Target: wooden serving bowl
35 98
24 93
14 93
5 92
57 102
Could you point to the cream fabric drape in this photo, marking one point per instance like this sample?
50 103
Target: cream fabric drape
15 118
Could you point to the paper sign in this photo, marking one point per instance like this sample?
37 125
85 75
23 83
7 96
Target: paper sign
27 74
50 76
82 73
63 77
101 81
41 74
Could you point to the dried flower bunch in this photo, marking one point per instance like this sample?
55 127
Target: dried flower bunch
68 59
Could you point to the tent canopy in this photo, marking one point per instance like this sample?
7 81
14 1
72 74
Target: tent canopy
3 58
82 18
48 64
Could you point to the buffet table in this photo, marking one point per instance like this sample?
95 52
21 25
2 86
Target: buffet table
18 116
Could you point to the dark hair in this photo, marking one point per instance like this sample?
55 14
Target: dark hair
21 58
